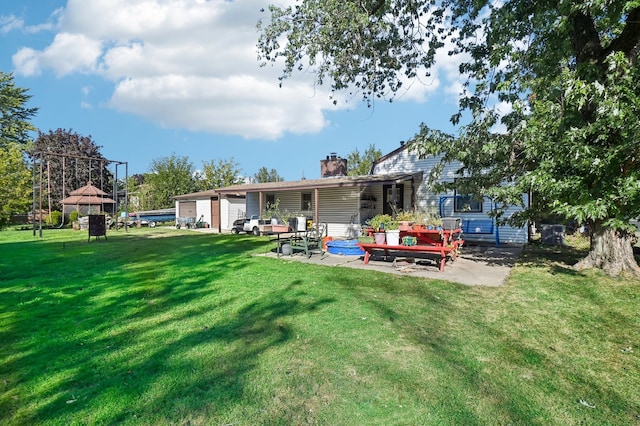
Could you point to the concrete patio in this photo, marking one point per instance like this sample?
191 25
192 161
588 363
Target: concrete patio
475 265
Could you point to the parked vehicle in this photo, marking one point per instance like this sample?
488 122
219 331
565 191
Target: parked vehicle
253 225
238 226
153 217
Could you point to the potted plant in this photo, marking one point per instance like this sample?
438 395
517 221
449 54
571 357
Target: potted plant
405 220
392 233
282 221
437 222
379 223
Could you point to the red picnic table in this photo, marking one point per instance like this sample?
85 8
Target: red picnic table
446 243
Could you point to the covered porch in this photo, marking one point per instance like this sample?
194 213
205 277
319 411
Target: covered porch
343 203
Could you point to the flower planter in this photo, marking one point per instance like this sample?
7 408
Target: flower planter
379 237
366 239
404 225
280 228
393 237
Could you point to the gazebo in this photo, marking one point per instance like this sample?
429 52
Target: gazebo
87 200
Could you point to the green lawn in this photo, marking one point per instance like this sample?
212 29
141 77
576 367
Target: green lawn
159 326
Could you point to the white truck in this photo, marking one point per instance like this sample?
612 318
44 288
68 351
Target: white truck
253 225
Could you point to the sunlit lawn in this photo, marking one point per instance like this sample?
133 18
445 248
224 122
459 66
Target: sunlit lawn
159 326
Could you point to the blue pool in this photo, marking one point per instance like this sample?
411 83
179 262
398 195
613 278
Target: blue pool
344 247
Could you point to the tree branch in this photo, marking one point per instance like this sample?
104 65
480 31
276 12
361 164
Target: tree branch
585 39
628 42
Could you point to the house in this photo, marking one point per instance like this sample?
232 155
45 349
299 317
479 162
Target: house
342 202
476 224
395 183
219 211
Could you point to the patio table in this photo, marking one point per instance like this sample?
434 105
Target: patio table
445 243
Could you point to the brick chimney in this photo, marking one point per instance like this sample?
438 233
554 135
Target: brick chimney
333 166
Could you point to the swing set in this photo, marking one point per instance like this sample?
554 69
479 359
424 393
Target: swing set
74 169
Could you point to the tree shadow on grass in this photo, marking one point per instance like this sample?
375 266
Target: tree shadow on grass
559 259
114 331
491 361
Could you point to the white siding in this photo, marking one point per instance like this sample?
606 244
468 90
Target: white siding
340 210
338 207
230 210
291 202
203 210
426 199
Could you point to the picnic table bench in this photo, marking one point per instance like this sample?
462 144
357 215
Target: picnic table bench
445 243
445 252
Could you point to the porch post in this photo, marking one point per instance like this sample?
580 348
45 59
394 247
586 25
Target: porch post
413 194
315 208
394 199
261 203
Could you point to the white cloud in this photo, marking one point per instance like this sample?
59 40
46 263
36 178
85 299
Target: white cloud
27 61
241 105
68 53
190 64
10 23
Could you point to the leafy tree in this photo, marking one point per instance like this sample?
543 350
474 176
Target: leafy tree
360 164
15 183
15 177
133 185
568 71
14 116
168 177
69 161
265 175
218 174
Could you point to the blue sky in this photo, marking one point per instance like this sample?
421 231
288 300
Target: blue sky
150 78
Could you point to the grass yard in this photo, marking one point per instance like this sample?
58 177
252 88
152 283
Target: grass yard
160 326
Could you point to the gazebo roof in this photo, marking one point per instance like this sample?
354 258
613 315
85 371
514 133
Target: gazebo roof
88 189
88 194
86 199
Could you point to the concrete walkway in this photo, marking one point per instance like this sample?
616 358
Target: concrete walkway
475 265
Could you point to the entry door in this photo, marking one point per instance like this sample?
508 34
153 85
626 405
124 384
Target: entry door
391 198
215 213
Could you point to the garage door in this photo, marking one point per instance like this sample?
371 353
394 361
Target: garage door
187 209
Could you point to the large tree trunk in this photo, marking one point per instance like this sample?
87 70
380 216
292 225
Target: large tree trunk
611 250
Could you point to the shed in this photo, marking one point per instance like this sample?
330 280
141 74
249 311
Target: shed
219 211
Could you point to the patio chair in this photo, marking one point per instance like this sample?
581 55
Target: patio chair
311 242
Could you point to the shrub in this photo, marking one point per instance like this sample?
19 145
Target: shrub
73 216
54 218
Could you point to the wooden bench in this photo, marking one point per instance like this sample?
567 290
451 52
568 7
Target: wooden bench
310 242
443 251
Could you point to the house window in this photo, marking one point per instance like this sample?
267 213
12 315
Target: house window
271 201
467 204
306 201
